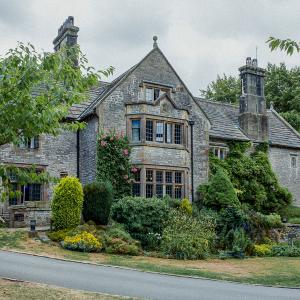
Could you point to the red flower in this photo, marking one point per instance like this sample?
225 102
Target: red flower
103 143
134 170
126 152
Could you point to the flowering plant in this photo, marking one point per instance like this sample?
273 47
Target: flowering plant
113 162
83 241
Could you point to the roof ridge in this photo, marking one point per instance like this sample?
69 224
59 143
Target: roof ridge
217 102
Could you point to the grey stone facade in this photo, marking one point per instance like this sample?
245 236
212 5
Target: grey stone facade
113 106
57 155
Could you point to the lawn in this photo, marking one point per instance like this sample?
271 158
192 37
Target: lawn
11 290
278 271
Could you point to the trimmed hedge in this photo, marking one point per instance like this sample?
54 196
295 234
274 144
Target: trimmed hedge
98 198
67 203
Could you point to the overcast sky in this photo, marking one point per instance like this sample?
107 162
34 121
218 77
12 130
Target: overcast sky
201 38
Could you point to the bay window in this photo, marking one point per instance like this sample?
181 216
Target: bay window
157 131
159 183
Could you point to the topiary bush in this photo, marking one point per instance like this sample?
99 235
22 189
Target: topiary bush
141 216
98 198
220 192
186 237
84 241
113 162
67 203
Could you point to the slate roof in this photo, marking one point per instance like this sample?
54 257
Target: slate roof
224 124
77 109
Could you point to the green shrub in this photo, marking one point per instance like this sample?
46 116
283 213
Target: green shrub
252 177
98 198
118 241
262 250
59 235
241 241
186 206
172 203
186 237
67 203
220 192
285 250
83 241
230 219
141 216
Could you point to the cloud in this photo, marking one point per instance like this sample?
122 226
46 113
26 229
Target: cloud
201 38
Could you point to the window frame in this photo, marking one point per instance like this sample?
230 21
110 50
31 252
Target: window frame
139 129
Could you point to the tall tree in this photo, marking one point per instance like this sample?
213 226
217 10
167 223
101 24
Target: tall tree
224 89
38 89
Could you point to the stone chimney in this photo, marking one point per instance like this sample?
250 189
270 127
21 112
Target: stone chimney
67 34
253 118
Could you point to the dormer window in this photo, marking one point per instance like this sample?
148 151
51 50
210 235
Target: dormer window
152 94
153 91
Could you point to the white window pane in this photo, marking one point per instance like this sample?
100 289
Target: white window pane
159 132
149 94
169 133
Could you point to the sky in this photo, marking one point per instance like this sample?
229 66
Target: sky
200 38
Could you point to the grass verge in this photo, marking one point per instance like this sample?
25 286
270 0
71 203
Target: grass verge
11 290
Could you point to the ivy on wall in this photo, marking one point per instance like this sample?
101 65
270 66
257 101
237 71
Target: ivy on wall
251 175
113 163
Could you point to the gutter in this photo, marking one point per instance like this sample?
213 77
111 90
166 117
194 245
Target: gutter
78 152
192 123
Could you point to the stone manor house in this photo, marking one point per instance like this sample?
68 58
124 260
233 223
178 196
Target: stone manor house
170 130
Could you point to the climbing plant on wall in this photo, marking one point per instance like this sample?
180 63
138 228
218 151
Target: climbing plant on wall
113 163
252 176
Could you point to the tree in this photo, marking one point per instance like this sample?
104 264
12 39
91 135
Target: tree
224 89
287 45
38 89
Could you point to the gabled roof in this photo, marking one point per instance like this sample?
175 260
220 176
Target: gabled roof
166 96
225 125
115 83
281 132
77 109
224 120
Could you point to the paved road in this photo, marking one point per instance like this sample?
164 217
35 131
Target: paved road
128 282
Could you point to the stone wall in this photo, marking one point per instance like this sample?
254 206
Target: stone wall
87 150
112 115
288 176
56 155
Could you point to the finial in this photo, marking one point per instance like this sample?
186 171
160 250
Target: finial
155 42
272 105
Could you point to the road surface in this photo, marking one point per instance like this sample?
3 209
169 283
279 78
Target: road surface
131 283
